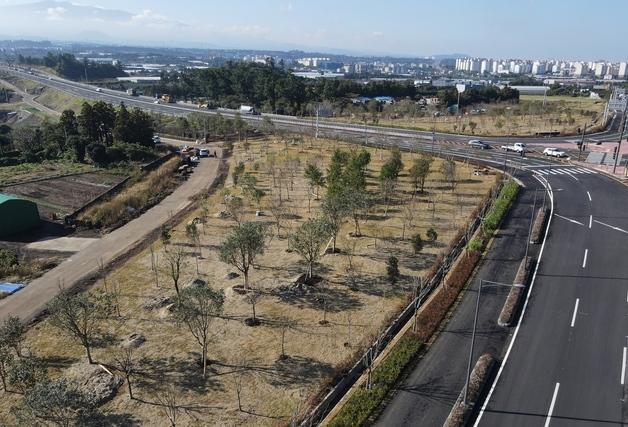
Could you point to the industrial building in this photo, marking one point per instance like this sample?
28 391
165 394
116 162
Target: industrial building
17 215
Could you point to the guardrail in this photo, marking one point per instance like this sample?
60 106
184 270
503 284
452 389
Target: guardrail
377 347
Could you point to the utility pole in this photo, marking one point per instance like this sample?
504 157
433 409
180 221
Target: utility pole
483 283
316 135
433 134
621 135
530 228
581 148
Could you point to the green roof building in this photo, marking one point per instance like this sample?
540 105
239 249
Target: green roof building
17 215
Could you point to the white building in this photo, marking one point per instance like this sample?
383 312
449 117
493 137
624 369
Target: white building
600 69
622 73
580 69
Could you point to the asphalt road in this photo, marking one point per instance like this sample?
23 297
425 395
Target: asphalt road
427 394
30 301
567 363
289 122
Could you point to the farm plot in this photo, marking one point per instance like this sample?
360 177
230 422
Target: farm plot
56 197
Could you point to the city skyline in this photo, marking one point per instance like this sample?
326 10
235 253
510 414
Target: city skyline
544 30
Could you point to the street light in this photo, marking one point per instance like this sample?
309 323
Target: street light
488 284
621 135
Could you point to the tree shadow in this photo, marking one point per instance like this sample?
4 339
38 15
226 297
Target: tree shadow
299 370
318 297
115 420
189 373
58 361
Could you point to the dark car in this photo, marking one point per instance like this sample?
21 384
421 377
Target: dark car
476 143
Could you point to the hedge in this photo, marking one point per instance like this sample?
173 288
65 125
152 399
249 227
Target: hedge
363 402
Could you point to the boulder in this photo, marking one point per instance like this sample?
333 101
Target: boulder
133 341
97 382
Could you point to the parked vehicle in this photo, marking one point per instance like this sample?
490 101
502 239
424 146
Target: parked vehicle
554 152
517 147
476 143
247 109
203 152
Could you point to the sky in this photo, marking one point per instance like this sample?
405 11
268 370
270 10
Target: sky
562 29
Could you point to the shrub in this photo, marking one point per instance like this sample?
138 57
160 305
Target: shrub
475 245
417 243
431 234
357 410
392 269
8 261
134 199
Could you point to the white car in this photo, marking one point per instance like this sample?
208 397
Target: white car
98 89
203 152
554 152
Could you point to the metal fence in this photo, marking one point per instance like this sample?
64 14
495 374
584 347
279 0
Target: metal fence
378 346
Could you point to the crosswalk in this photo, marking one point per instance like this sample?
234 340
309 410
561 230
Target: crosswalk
565 171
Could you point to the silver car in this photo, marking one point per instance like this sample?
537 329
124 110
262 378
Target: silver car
476 143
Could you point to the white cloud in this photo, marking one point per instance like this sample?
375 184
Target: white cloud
55 13
377 34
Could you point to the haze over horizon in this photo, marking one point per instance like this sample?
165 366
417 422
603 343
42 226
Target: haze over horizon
489 28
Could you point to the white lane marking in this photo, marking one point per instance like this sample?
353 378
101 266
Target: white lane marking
573 176
569 219
575 312
610 226
589 195
623 367
584 261
551 408
548 187
590 220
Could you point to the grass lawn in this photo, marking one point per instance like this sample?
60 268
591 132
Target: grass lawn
272 389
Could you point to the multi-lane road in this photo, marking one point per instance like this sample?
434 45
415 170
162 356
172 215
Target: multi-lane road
565 363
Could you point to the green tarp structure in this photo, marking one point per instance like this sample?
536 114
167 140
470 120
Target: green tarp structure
17 215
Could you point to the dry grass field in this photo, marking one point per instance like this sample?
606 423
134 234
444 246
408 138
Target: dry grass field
246 361
561 113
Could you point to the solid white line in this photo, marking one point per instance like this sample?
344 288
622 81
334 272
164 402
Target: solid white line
584 261
551 408
590 220
623 367
610 226
575 312
569 219
589 194
548 188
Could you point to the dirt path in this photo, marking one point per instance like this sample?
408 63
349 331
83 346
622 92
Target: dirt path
32 300
30 99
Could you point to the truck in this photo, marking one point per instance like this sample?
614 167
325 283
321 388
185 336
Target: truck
247 109
131 92
168 99
517 147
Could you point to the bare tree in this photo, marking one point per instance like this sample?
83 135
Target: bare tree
387 189
195 239
278 212
408 216
125 363
175 259
252 297
167 398
448 169
197 307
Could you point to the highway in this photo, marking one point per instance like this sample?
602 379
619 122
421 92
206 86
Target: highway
565 363
289 122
